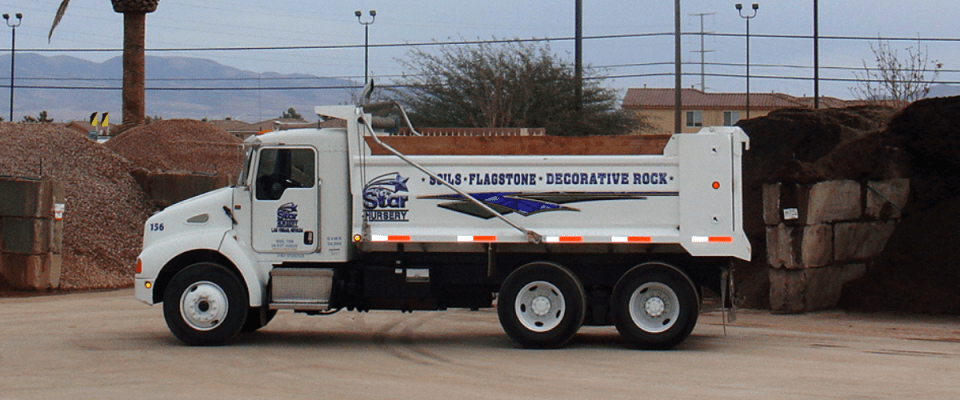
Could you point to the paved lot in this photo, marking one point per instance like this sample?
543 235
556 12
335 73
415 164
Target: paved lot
109 346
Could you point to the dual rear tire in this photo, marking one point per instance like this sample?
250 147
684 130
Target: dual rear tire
543 305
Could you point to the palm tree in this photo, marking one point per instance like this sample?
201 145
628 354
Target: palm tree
134 29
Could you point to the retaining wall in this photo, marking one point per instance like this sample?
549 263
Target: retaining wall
823 235
31 232
169 187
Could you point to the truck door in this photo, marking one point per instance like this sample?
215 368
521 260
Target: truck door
285 200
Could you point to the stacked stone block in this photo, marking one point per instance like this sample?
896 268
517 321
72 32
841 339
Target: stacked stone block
31 232
167 188
821 236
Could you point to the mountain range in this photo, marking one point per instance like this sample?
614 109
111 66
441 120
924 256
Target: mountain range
70 88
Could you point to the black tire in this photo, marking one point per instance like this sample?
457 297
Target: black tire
205 304
541 305
258 317
655 306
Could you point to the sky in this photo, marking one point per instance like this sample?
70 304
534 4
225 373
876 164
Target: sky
645 59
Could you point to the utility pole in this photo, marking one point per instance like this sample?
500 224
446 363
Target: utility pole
816 58
13 52
677 70
578 55
702 51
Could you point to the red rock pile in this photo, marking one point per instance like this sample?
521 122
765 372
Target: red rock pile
105 208
180 145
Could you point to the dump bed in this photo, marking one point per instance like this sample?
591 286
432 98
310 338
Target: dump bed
688 195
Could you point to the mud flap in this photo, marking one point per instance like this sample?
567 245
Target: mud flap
727 314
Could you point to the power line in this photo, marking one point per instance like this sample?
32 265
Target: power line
498 41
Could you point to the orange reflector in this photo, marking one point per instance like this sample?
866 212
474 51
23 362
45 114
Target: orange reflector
139 268
631 239
716 185
476 238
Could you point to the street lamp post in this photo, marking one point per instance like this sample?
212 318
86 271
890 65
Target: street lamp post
13 47
747 18
366 40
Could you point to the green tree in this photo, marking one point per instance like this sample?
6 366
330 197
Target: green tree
508 85
291 113
134 29
42 118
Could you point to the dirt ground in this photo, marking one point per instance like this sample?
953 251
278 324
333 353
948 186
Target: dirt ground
107 345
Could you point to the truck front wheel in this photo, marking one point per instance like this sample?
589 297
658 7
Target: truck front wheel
655 306
205 305
541 305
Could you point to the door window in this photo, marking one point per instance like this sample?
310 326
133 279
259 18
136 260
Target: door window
281 169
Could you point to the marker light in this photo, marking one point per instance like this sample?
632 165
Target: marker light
147 285
139 268
716 185
357 238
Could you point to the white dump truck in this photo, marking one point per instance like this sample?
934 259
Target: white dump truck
336 218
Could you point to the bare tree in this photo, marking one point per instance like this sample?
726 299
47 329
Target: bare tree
896 80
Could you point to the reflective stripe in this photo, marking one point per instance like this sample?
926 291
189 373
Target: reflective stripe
476 238
711 239
564 239
390 238
631 239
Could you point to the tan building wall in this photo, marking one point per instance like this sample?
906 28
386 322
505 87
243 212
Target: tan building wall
661 121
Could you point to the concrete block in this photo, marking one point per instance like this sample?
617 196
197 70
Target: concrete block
782 244
832 201
30 236
794 247
32 272
885 199
771 204
171 187
810 289
816 247
861 240
29 198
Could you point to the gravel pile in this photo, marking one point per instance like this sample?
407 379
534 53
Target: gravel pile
180 145
105 208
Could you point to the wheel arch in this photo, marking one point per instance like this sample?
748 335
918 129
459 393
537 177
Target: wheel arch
185 260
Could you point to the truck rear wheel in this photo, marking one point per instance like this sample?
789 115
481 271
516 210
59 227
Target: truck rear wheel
205 305
541 305
655 306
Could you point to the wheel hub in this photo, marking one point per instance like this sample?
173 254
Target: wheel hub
540 306
204 305
654 306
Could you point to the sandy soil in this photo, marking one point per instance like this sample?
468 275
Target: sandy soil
107 345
